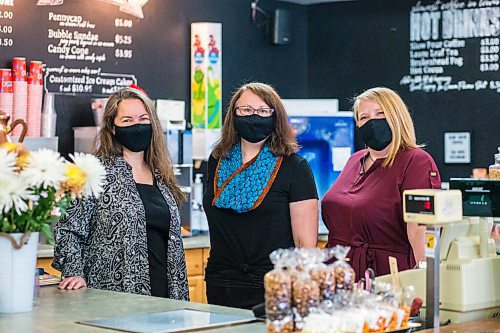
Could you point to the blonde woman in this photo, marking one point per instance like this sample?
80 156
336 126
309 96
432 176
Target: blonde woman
363 209
129 239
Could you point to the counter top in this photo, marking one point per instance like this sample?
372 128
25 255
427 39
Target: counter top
59 310
194 242
488 325
45 251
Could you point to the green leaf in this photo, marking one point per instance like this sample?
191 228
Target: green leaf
47 231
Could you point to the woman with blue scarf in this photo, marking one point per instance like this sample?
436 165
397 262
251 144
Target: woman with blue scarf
260 196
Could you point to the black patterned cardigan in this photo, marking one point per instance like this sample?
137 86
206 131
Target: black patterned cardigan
104 240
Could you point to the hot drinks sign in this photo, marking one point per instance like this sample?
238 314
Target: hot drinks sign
454 46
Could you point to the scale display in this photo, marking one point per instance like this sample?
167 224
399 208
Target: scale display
419 204
480 197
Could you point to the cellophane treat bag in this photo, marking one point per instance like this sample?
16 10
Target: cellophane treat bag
278 294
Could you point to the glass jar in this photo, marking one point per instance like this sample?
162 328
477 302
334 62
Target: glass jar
495 168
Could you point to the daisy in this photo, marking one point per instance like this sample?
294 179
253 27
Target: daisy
21 153
45 168
94 173
14 193
75 179
7 163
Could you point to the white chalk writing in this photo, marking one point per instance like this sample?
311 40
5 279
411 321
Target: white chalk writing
439 34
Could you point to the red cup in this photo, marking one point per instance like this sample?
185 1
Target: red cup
6 81
19 69
35 73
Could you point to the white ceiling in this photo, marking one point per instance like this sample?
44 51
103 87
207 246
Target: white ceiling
312 2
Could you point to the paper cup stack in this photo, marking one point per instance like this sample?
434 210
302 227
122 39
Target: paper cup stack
6 91
35 92
20 91
49 116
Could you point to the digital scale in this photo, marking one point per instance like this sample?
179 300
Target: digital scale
461 280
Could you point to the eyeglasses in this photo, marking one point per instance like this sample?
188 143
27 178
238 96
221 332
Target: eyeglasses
247 110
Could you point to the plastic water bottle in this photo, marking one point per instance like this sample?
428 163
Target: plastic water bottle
197 205
198 191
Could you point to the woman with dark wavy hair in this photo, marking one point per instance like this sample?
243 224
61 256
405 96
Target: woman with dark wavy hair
260 196
129 239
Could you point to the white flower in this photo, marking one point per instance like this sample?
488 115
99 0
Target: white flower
14 193
94 172
45 168
7 163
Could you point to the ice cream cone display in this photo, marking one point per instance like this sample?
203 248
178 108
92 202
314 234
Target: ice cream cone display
35 92
20 85
6 91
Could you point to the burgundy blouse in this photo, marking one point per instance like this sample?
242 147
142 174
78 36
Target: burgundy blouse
364 210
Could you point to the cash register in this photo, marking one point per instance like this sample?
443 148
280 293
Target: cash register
468 266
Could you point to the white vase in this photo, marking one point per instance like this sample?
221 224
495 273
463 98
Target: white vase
17 274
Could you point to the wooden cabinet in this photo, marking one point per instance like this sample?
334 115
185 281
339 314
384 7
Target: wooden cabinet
46 264
196 261
196 290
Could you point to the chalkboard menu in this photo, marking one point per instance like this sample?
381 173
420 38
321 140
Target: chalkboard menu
110 47
442 57
454 46
88 46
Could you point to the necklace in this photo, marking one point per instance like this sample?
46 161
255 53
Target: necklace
365 160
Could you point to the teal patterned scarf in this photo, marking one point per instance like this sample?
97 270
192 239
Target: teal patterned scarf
243 187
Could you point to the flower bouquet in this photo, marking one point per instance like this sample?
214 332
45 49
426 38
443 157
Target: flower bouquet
35 189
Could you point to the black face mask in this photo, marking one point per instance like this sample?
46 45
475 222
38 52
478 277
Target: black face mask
376 133
254 128
135 138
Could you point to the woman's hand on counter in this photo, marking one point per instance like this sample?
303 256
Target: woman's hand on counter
72 283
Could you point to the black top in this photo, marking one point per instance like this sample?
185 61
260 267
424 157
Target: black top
157 227
241 242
